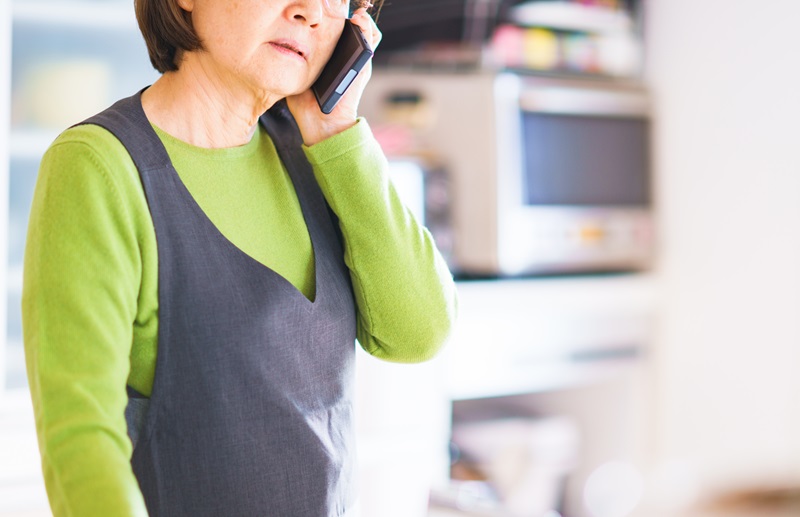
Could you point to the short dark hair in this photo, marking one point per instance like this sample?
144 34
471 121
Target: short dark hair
167 31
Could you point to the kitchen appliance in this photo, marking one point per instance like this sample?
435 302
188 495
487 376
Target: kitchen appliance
545 174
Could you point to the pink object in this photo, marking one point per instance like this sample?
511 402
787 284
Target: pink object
507 45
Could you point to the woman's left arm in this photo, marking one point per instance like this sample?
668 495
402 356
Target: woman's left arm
405 294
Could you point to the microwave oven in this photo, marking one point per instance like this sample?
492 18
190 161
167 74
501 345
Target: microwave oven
544 174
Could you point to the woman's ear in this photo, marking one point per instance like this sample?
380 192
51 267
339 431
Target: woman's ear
186 5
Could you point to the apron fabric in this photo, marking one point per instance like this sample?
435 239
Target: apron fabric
251 409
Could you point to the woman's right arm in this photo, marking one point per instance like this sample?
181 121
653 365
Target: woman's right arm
82 272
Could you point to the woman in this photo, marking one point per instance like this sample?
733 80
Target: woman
196 275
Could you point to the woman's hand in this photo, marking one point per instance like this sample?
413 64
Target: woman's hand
316 126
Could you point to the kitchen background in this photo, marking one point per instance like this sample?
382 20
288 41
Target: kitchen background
664 389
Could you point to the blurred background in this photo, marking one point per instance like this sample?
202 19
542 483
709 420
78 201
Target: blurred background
616 187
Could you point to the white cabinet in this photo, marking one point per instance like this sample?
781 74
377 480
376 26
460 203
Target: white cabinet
568 356
545 334
60 61
68 60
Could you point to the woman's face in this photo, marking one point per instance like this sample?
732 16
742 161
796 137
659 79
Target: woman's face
272 47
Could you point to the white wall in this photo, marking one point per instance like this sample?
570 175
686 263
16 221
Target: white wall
727 83
5 123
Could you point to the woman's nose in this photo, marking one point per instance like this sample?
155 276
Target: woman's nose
309 12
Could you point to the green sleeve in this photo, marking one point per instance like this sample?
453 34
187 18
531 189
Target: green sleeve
82 277
405 294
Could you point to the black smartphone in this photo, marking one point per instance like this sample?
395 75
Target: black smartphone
352 52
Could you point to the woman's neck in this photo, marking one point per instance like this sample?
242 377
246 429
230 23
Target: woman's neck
202 109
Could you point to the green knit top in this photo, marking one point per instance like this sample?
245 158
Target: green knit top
90 292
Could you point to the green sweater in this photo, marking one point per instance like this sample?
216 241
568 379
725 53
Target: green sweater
90 296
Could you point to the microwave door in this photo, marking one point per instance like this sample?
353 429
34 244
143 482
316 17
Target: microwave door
579 160
580 199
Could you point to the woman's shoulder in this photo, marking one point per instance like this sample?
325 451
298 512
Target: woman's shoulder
89 140
88 151
89 161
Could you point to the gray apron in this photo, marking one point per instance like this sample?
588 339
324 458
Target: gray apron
251 409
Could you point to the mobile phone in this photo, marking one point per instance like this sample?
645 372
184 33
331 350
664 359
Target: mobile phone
352 52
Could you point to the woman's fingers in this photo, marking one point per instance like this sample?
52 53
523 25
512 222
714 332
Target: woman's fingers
367 25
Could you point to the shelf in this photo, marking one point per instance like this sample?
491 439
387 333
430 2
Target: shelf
538 335
506 380
572 17
30 144
104 15
14 285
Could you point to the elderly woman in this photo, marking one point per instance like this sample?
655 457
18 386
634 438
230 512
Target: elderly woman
202 257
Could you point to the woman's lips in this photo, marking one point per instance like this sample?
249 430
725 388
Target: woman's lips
289 47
